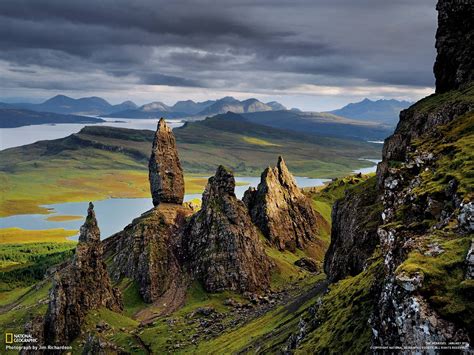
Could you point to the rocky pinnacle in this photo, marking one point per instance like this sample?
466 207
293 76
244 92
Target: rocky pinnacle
165 172
222 245
278 202
81 286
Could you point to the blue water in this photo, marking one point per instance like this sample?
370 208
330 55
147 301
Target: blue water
114 214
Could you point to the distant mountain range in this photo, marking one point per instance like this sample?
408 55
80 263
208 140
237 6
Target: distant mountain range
382 111
92 106
204 109
12 117
383 114
96 106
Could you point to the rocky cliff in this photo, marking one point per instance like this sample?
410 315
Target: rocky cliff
422 293
222 246
165 172
82 286
354 231
454 66
147 251
278 202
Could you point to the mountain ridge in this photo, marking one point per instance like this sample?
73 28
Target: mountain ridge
383 111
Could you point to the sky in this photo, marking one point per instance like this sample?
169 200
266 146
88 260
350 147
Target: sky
316 55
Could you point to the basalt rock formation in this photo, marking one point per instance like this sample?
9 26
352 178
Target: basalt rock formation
278 207
222 246
454 65
147 251
81 286
165 172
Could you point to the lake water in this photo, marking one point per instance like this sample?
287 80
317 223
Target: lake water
371 169
15 137
114 214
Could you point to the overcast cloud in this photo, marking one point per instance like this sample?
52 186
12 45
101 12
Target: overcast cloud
313 54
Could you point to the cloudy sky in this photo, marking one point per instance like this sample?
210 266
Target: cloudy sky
311 54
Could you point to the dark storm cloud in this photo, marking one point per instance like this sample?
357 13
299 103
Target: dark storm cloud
169 80
214 44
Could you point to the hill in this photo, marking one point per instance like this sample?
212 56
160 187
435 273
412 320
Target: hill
323 124
382 111
10 118
62 104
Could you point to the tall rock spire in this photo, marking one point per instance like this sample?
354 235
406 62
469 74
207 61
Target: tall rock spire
165 172
81 286
454 64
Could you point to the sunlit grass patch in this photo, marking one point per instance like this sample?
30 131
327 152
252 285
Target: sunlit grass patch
259 141
19 235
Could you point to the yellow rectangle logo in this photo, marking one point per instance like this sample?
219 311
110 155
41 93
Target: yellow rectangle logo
8 338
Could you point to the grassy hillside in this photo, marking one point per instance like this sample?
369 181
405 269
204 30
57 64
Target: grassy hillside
318 123
102 162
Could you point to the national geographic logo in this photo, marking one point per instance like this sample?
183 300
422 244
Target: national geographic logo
11 338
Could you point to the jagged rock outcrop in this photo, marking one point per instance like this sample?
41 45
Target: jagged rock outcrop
147 251
82 286
454 65
281 211
355 219
414 216
165 172
423 188
222 248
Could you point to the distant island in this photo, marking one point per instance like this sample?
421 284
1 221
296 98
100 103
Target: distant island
11 118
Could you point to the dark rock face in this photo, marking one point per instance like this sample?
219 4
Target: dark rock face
355 219
413 124
454 64
280 210
308 264
147 251
222 247
82 286
165 172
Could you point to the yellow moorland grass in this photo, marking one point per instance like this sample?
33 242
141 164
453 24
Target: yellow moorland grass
259 141
63 218
18 235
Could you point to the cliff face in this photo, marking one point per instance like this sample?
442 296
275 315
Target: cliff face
165 172
354 231
454 66
146 251
423 237
222 246
278 202
425 187
82 286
